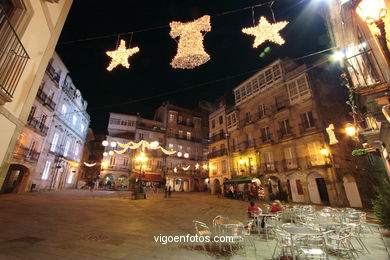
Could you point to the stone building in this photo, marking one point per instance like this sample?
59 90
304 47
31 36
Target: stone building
49 149
24 58
359 33
186 133
218 157
276 132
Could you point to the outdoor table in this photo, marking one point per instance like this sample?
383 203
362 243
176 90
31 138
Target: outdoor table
300 231
326 223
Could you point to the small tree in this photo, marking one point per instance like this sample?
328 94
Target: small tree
381 204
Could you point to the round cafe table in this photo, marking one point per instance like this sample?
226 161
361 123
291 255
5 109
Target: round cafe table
300 231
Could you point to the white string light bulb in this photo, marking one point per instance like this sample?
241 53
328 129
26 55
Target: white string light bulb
190 52
266 31
121 56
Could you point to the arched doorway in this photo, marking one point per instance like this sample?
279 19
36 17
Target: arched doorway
123 182
109 178
186 185
317 188
274 185
352 191
16 179
196 185
295 188
217 185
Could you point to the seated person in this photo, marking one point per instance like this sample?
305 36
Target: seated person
276 206
253 208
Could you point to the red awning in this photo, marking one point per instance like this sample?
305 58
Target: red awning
151 177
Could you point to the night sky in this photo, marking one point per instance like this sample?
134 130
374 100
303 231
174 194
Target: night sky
150 79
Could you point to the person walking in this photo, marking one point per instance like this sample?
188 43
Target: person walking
166 192
169 191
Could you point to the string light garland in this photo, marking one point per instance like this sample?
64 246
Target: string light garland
143 144
190 52
121 56
186 168
266 31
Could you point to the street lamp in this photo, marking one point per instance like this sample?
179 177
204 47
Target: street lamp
350 129
324 151
373 11
105 143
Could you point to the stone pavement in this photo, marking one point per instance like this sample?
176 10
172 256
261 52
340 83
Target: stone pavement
108 225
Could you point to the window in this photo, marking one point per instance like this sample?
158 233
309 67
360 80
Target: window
54 142
112 160
76 150
70 178
180 119
45 174
125 162
277 71
268 76
42 121
222 147
250 139
229 121
213 123
316 158
289 155
74 119
31 149
140 136
248 89
308 120
261 80
220 120
64 109
298 89
82 127
255 85
124 122
269 161
237 96
180 133
262 111
32 113
159 164
66 150
299 187
171 118
372 123
285 127
188 135
248 118
188 121
223 166
265 136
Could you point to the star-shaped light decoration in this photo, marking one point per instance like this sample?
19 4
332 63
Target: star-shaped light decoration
266 31
197 166
175 170
121 56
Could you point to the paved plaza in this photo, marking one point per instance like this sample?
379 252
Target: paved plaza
108 225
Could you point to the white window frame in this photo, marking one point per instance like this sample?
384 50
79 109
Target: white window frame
45 174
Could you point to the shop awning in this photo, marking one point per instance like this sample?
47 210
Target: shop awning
151 177
242 179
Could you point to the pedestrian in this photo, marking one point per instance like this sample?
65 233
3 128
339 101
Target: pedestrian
91 185
169 191
166 192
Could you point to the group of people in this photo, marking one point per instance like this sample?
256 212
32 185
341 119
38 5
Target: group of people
276 206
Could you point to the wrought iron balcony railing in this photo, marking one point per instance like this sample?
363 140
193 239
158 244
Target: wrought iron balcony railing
13 58
26 153
38 125
217 137
217 153
52 73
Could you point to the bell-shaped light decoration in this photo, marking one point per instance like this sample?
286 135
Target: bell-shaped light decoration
190 52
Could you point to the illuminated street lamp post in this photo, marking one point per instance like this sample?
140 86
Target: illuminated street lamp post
141 159
373 11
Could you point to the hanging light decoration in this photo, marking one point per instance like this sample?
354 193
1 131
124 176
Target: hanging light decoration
266 31
190 52
121 56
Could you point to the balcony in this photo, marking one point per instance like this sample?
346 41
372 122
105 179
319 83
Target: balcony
22 152
50 103
269 167
311 163
41 96
290 164
279 106
182 137
217 137
38 125
266 139
248 144
189 124
307 127
52 73
285 133
217 153
13 59
60 151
